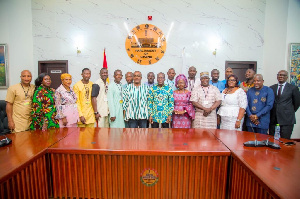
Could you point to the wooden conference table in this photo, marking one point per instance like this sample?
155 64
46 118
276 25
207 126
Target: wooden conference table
146 163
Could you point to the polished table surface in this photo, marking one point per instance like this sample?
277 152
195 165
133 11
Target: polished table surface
279 169
25 147
142 141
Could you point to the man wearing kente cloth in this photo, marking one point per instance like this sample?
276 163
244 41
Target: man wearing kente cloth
260 102
18 103
83 91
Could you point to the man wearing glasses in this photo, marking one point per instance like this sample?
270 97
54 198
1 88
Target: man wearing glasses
287 102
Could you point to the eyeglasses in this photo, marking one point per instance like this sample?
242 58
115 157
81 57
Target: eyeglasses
281 75
232 80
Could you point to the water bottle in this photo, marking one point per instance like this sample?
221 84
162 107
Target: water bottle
277 132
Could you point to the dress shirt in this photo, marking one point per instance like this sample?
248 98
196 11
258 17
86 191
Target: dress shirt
282 87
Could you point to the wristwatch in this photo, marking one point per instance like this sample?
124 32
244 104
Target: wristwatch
96 113
238 120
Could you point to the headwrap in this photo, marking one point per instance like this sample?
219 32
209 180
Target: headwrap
204 74
181 77
64 75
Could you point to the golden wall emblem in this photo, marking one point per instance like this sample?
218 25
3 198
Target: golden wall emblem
146 44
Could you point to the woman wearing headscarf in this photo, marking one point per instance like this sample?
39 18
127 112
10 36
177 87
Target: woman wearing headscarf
184 111
65 101
43 107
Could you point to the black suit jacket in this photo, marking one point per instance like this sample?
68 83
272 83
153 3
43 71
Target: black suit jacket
285 106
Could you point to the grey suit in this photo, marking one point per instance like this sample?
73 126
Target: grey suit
284 108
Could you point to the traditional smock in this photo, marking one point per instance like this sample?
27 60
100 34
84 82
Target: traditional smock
135 102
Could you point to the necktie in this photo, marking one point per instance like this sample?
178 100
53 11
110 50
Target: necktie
279 90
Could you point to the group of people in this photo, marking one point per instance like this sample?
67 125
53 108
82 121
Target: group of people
175 101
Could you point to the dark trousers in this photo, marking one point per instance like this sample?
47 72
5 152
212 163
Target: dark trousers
285 130
156 125
126 124
137 123
257 130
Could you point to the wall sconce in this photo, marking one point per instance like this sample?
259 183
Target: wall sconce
215 52
78 51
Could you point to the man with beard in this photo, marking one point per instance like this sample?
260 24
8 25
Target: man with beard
191 78
151 78
83 91
99 99
18 103
206 98
249 83
260 102
215 74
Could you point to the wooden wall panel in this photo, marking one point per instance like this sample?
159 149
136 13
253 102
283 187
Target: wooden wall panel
30 182
243 184
118 176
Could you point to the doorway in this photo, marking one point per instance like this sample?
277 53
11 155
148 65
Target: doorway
54 68
239 68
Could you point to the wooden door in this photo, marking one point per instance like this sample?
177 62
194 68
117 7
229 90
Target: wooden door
239 68
54 68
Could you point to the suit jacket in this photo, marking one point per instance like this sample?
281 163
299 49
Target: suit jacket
284 108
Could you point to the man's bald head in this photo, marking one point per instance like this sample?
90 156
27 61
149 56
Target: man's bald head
26 77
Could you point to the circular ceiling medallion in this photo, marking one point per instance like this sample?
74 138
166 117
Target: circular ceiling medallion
146 44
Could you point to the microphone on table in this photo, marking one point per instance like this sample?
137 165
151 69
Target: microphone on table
263 143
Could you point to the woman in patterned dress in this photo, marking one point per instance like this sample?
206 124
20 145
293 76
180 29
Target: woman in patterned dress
43 107
184 111
65 102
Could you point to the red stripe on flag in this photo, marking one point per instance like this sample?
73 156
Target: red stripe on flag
104 60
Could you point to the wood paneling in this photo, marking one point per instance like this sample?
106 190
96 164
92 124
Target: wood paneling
26 147
261 171
31 182
118 176
243 184
107 163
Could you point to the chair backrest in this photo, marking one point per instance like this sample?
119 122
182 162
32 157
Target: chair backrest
3 118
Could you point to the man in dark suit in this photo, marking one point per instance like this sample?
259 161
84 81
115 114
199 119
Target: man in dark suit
287 102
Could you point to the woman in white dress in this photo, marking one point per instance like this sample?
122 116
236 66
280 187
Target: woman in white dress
233 106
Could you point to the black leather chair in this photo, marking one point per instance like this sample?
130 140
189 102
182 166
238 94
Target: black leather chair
3 118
